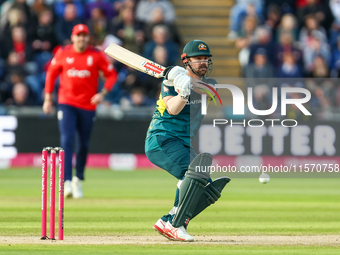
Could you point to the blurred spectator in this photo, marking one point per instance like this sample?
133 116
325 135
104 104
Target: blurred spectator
288 25
4 13
106 6
335 63
160 35
245 38
334 31
263 40
319 68
319 10
64 25
129 30
238 13
286 46
136 98
21 96
18 43
131 81
60 8
286 6
145 7
99 26
289 69
23 6
317 47
16 18
151 84
273 19
261 68
157 18
113 7
44 38
17 72
160 55
334 6
311 24
39 6
44 41
127 80
250 11
120 4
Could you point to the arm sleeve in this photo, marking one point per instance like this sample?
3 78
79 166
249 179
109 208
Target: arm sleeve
53 71
168 91
109 72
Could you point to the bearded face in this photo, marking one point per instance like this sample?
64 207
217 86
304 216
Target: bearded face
200 65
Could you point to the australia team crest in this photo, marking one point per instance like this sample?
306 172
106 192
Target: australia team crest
202 46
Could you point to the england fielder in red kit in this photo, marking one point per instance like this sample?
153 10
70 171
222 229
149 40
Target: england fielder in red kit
78 66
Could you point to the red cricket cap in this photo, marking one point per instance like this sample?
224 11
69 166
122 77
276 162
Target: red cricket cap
80 28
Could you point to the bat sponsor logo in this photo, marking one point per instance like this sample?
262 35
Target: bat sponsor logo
152 67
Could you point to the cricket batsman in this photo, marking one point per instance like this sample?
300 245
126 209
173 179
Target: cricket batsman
175 123
78 65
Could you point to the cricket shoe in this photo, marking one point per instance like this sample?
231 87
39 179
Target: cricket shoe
159 227
67 189
177 234
77 187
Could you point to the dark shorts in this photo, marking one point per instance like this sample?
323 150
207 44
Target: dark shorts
170 154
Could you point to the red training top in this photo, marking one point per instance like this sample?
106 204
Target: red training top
79 75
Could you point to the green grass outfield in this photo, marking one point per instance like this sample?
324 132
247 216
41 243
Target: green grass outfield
120 203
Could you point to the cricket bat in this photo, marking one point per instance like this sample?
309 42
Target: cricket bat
134 60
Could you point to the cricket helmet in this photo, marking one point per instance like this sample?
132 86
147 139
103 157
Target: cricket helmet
196 48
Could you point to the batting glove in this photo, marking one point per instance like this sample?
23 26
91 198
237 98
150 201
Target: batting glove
168 83
171 72
182 85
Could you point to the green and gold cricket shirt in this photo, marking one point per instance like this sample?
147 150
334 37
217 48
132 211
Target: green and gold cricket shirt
183 126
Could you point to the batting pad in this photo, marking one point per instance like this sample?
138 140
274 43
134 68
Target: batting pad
192 188
212 192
